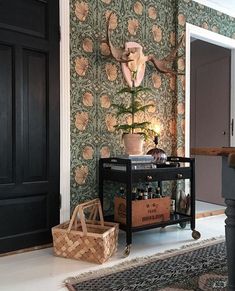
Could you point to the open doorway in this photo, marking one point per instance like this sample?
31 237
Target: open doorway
215 57
210 114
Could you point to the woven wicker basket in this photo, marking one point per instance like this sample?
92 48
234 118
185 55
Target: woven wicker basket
88 239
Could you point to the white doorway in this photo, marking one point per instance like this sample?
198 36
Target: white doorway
220 42
209 114
217 39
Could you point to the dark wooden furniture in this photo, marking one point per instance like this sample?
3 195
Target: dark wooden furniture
130 176
29 123
228 192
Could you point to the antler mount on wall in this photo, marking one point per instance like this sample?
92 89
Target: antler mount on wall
133 60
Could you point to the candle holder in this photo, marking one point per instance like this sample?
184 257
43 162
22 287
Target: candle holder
159 155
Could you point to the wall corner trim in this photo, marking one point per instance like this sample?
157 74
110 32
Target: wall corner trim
65 110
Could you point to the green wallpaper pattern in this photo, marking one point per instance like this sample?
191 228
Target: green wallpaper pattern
96 77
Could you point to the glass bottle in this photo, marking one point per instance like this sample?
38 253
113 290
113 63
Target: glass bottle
145 195
158 192
150 193
141 194
134 194
122 192
138 194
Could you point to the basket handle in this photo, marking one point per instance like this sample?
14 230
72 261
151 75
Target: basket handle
95 203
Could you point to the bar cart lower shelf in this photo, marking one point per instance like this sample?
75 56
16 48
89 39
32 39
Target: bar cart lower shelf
122 170
174 219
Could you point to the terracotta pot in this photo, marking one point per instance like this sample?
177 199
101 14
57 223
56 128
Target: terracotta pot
133 143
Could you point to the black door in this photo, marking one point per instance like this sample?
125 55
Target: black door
29 122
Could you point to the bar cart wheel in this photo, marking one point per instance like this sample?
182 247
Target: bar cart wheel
183 224
196 234
127 251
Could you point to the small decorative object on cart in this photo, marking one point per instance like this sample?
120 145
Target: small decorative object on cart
159 155
88 239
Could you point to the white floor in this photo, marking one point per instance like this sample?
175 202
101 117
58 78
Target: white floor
41 271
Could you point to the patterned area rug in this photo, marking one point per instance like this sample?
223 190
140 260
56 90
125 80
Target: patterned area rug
201 266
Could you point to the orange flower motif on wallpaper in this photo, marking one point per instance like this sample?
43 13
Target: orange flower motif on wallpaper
81 174
152 12
138 8
182 124
152 109
88 99
113 19
133 26
173 83
157 81
105 152
105 101
111 71
172 126
107 1
205 25
104 49
180 108
128 120
157 33
182 80
180 152
110 122
87 45
138 118
81 120
215 29
181 19
81 66
87 153
181 64
81 10
172 38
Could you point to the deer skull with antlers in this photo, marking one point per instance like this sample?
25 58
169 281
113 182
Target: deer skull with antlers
133 60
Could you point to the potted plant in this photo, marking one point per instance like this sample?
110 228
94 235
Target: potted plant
134 132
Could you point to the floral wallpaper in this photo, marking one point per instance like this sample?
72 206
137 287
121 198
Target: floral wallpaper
96 77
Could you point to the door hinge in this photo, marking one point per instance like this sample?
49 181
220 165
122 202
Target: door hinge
60 201
59 33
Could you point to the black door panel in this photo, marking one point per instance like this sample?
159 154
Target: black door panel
29 122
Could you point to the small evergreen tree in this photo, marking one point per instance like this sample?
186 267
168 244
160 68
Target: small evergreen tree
132 109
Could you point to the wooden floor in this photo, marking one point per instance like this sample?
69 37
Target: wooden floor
204 209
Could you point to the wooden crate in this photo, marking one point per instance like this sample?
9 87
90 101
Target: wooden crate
144 212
